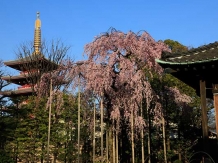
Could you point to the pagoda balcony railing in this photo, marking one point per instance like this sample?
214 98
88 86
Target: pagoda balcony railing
26 72
24 86
23 72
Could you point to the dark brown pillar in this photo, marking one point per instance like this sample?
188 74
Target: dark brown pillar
215 96
203 109
215 99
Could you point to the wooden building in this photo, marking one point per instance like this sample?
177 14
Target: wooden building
197 68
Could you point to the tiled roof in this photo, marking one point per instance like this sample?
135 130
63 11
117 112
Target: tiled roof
17 64
24 91
22 60
17 77
194 65
206 53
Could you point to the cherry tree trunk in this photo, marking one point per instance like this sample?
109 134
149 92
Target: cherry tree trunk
110 143
132 137
168 146
117 155
180 155
142 138
164 140
102 129
149 147
107 145
93 134
149 138
114 155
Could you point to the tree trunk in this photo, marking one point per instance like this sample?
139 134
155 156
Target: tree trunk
179 137
107 144
114 147
110 143
180 155
142 138
78 152
94 133
164 140
49 121
42 149
149 146
132 137
102 130
55 158
168 146
117 155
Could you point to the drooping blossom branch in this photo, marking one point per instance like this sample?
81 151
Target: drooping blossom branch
179 98
115 67
59 78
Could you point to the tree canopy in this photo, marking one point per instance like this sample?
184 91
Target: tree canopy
175 46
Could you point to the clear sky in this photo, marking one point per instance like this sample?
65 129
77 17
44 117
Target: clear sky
76 22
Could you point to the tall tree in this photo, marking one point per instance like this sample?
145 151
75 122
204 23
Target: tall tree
40 66
115 67
175 46
174 96
6 122
3 84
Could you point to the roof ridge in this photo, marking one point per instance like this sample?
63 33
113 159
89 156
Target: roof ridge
203 48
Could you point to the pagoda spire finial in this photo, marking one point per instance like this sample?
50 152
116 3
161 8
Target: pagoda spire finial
38 22
37 35
37 14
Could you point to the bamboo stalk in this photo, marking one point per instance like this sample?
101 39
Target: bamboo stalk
142 138
78 156
117 156
164 140
113 139
107 145
49 121
94 133
102 131
149 138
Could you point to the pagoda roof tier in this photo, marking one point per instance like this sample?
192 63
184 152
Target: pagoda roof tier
194 65
34 60
19 92
19 79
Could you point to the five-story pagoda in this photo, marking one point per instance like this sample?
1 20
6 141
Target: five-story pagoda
31 67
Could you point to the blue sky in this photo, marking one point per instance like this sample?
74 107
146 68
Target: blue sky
76 22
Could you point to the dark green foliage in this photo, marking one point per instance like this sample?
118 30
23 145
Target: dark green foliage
24 130
183 123
177 161
5 157
175 46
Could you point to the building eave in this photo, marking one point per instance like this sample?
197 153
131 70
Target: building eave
184 63
24 91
